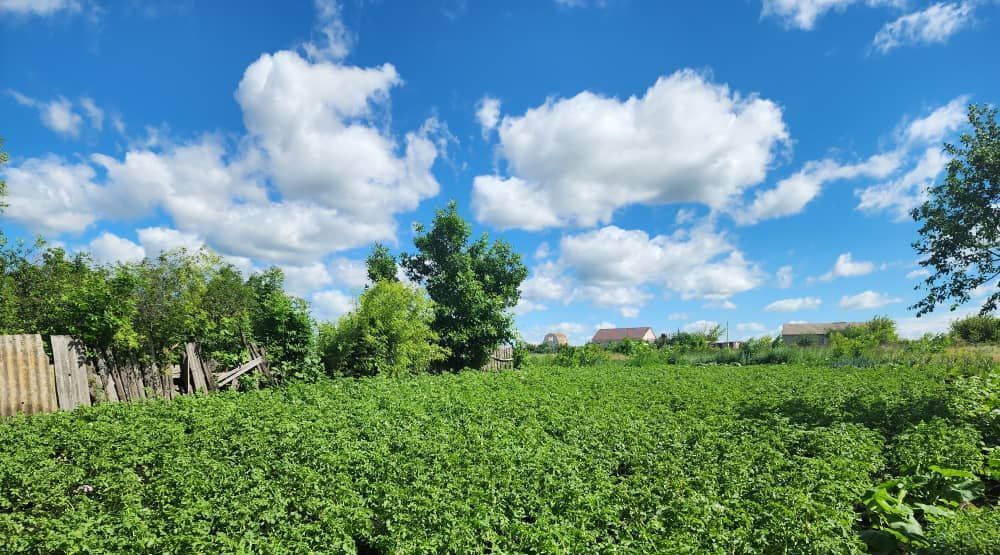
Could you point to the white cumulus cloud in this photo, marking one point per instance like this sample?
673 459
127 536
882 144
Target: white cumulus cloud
794 305
574 161
846 266
867 300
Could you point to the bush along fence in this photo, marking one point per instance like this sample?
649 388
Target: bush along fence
31 382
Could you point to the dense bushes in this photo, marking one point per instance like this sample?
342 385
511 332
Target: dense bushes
150 308
387 334
977 329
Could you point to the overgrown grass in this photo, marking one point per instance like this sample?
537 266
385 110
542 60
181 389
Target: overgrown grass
609 458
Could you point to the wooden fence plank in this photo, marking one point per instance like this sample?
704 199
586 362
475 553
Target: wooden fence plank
72 387
226 377
195 369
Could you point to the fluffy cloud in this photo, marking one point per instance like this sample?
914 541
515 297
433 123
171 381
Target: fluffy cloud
911 165
794 305
57 115
301 280
698 263
39 7
349 273
614 267
899 196
700 326
331 304
576 160
155 240
784 277
750 329
908 190
335 42
935 24
52 196
802 14
109 248
918 273
793 193
677 316
312 121
339 178
488 113
867 300
846 266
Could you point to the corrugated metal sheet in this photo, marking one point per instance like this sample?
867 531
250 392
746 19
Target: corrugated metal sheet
27 381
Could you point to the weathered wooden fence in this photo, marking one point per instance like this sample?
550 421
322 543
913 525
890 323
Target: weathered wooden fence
30 383
501 359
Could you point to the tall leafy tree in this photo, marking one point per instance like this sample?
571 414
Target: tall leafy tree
960 220
473 285
381 264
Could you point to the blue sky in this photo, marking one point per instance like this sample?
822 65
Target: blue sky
656 163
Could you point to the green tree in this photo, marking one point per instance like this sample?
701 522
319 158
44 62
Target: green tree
960 220
389 334
381 264
283 325
473 285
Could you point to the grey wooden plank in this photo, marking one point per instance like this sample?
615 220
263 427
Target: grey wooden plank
195 368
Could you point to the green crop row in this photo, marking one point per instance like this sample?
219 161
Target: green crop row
601 459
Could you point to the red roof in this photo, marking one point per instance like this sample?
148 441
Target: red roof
620 334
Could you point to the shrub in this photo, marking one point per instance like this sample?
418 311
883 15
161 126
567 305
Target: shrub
977 329
388 334
937 442
587 355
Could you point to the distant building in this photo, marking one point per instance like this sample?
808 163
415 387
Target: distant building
615 335
555 340
726 344
813 334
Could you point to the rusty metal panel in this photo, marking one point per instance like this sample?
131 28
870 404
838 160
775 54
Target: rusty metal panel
27 381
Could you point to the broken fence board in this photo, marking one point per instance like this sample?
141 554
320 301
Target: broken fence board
72 385
227 377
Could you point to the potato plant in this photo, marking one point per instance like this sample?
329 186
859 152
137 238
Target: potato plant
605 458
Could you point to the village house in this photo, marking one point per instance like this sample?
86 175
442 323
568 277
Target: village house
607 336
812 334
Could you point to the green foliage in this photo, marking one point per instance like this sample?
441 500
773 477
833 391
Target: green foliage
975 399
856 341
603 459
381 264
900 508
388 334
149 309
937 442
473 285
959 222
977 329
586 355
692 341
972 531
